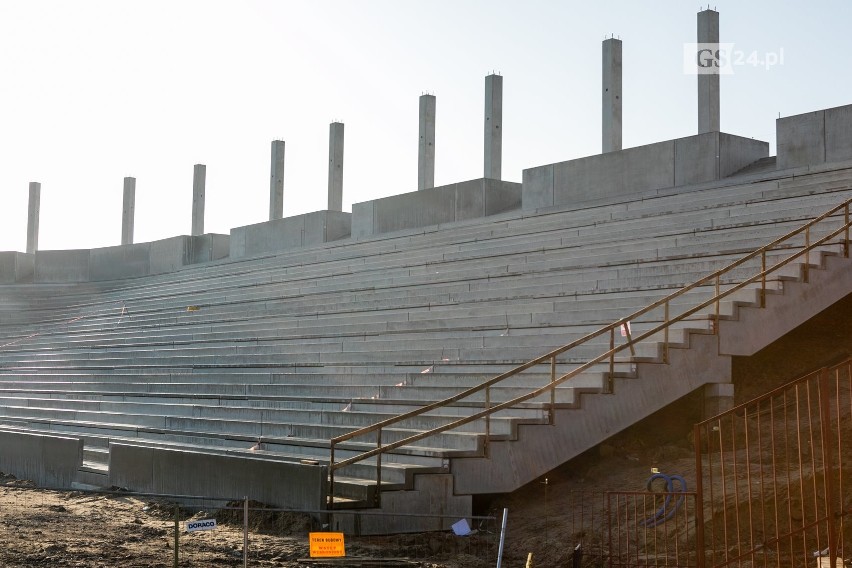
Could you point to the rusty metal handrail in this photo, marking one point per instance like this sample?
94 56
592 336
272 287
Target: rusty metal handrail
714 278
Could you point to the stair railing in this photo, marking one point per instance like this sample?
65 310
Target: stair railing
714 279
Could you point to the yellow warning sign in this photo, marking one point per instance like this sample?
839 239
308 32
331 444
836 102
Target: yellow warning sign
326 544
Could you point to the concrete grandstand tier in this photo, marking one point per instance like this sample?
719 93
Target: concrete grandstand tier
252 365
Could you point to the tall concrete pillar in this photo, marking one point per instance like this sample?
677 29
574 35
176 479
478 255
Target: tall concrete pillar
199 181
32 216
708 83
493 126
426 153
276 181
335 166
611 90
128 211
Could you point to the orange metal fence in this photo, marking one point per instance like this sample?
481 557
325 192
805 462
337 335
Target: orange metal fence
771 476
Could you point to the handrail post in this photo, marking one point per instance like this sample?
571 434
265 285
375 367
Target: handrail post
763 279
487 420
552 390
807 254
610 379
377 497
330 498
846 231
716 297
666 332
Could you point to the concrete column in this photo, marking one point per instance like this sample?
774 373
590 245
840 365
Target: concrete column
493 126
335 166
708 83
718 398
199 180
611 90
276 181
32 216
128 211
426 154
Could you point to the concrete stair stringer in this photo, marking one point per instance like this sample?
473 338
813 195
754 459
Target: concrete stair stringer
705 359
755 328
539 449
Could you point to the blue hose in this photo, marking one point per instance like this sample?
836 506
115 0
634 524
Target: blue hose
667 510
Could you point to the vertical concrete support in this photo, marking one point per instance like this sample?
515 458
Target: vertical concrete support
32 216
611 90
199 180
128 211
708 80
335 166
276 181
493 126
718 398
426 154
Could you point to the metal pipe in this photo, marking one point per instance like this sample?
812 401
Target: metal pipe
502 537
245 531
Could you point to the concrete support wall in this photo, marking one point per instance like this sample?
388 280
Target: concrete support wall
159 470
426 150
814 138
33 212
708 83
199 181
493 127
128 211
611 93
446 204
48 461
126 261
684 161
335 166
276 181
16 267
290 233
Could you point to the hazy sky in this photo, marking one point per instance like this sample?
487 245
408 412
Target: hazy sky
93 91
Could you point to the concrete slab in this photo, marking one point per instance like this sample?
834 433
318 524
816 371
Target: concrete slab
49 461
838 134
446 204
161 470
290 233
673 163
800 139
16 267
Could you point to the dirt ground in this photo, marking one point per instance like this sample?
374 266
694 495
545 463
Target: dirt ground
63 529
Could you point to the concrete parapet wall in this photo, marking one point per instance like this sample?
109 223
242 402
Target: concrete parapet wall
162 470
290 233
16 267
48 461
684 161
456 202
118 262
823 136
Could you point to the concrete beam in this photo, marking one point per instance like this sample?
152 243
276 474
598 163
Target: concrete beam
611 91
199 181
335 166
128 211
32 216
708 83
493 126
426 153
276 181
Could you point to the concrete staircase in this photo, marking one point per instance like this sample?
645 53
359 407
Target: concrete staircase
268 358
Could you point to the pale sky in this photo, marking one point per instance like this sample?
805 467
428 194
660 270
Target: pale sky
93 91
